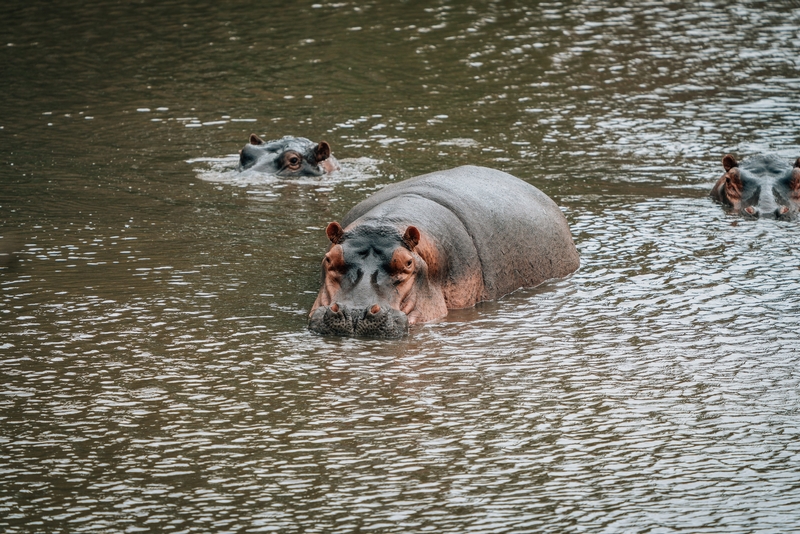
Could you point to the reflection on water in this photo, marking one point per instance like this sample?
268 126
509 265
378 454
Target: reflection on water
155 370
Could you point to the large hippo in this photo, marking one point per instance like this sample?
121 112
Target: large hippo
439 241
761 186
288 157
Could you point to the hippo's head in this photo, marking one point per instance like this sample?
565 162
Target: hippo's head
763 186
288 157
375 283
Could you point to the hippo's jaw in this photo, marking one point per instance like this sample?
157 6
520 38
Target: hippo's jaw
375 321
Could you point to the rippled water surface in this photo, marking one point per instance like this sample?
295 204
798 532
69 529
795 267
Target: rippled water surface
155 369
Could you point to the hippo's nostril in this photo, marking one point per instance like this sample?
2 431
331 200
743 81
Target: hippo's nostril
331 320
375 309
750 210
783 210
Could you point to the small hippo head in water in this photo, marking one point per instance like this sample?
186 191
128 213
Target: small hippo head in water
374 284
761 186
287 157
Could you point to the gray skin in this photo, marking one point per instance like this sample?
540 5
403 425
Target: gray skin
439 241
761 186
287 157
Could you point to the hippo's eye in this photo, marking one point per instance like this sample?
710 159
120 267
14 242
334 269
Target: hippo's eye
292 161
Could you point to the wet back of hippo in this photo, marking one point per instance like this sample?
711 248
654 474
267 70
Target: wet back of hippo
494 233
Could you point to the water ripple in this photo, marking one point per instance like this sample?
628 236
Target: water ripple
155 369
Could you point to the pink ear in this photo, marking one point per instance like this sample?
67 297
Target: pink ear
256 140
729 162
334 232
322 152
411 237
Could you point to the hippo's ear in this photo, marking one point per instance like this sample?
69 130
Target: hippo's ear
256 140
729 162
797 163
335 232
411 237
322 151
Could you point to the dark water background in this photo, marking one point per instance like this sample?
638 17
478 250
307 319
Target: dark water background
155 370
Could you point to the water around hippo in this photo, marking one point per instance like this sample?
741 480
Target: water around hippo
156 369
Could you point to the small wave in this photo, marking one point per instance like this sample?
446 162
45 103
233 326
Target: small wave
223 170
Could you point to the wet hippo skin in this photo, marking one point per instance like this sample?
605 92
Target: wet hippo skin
439 241
287 157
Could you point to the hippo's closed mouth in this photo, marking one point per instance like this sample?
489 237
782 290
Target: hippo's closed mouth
375 321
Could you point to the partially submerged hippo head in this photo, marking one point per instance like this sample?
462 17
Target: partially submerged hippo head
761 186
374 283
287 157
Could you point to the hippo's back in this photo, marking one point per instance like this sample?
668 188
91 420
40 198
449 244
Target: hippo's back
520 234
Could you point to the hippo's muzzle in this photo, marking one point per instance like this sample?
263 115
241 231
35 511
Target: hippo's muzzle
375 321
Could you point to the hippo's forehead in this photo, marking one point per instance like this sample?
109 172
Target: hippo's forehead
297 144
377 244
755 183
749 177
765 165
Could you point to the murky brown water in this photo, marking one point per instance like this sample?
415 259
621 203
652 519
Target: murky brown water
155 370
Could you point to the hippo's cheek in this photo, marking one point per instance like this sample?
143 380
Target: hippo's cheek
408 303
794 182
733 188
327 294
333 269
